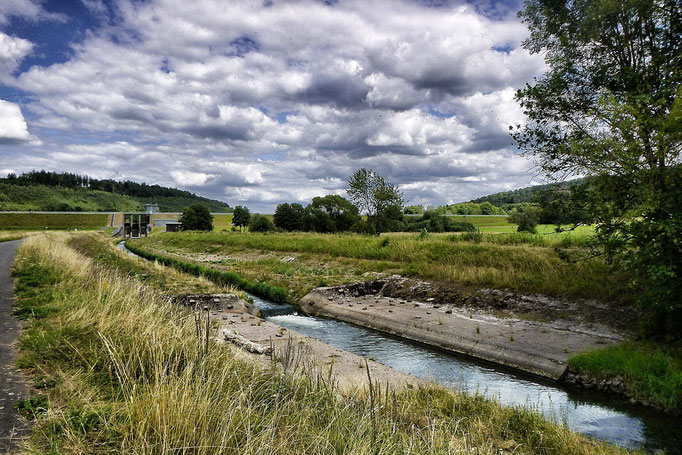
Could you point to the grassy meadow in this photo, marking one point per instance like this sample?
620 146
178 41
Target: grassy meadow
521 262
53 221
119 370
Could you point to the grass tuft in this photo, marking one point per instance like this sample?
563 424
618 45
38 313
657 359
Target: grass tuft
649 371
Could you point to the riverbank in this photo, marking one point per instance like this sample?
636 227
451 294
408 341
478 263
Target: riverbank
531 346
258 257
123 369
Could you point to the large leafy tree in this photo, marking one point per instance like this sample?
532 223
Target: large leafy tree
342 213
378 198
289 216
609 107
241 217
196 218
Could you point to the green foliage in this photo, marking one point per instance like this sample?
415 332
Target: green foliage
268 291
331 213
414 210
433 221
196 218
526 219
260 223
140 385
522 195
522 264
649 372
72 192
380 199
289 217
48 198
61 221
32 407
241 217
610 107
474 237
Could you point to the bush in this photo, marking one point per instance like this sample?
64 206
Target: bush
260 223
475 237
527 219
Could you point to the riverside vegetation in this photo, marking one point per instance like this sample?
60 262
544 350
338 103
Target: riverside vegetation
525 263
521 262
119 370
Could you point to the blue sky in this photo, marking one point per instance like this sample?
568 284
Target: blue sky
257 103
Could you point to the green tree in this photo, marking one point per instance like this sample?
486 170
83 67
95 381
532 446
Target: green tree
342 213
609 107
289 217
379 198
414 210
488 209
260 223
241 217
526 219
196 218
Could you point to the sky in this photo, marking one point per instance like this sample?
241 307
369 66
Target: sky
261 102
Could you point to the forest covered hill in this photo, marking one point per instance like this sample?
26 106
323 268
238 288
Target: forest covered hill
522 195
51 191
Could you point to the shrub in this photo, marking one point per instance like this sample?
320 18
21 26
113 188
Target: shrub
260 223
526 219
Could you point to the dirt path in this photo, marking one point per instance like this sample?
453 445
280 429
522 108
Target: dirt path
12 386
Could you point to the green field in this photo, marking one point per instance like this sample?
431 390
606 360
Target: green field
521 262
52 221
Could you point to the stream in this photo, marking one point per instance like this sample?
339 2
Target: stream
588 412
591 413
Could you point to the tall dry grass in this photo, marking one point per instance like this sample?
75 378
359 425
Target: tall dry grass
131 377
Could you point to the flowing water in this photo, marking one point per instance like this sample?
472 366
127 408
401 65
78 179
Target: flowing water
587 412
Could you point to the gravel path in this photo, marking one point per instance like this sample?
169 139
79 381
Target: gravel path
12 386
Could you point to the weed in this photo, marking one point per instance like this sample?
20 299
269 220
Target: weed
32 407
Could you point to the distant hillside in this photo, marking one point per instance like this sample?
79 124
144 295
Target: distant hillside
527 194
51 191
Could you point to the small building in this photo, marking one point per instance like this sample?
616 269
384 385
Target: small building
162 222
173 226
136 225
151 208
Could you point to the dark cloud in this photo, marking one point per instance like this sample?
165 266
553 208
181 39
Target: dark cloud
338 90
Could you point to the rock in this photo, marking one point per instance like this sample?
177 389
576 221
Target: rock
448 311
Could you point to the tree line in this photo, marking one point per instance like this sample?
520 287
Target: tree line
126 187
